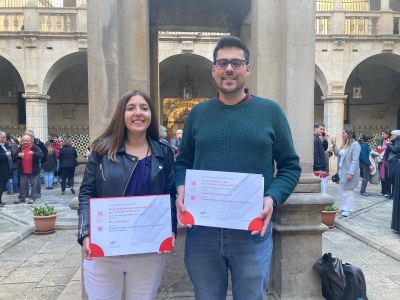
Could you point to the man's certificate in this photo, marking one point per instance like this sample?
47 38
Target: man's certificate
130 225
223 199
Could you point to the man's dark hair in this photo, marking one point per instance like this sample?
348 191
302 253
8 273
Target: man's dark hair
366 136
317 125
231 41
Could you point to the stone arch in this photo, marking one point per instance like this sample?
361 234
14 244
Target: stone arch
321 80
64 63
379 76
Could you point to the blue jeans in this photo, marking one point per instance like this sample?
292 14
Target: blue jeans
14 178
48 178
210 252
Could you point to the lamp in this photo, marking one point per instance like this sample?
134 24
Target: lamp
9 93
357 88
187 86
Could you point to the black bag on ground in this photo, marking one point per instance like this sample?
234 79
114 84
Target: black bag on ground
340 281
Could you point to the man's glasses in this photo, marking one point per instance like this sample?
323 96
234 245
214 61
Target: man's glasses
235 63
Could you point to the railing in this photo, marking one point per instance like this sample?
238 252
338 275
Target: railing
40 3
357 23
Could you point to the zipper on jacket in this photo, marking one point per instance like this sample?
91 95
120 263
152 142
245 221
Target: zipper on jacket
129 179
102 173
81 229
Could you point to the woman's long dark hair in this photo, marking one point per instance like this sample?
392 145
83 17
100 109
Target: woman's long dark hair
115 134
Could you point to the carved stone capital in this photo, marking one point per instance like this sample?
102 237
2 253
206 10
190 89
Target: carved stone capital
388 46
338 45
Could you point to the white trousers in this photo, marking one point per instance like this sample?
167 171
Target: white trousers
324 184
346 200
104 277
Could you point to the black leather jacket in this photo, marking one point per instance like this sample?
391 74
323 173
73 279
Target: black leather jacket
105 178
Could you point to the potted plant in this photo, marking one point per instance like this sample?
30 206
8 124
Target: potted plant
44 218
328 215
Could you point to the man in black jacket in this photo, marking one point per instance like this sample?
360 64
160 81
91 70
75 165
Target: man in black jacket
5 172
319 151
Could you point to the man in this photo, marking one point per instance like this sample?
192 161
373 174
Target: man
40 144
365 163
319 151
28 156
5 172
235 132
176 142
56 144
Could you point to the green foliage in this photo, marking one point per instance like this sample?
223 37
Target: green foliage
45 210
331 207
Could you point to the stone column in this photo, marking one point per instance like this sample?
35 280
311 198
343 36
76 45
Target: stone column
118 56
337 5
385 5
334 121
154 73
36 114
387 18
283 64
82 17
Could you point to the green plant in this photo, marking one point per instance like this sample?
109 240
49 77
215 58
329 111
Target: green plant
331 207
45 210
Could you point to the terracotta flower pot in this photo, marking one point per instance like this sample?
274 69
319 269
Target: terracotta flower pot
45 224
328 218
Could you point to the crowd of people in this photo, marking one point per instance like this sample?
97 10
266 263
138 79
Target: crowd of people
24 159
356 159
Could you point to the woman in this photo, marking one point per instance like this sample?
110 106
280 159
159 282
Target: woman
12 188
348 168
68 162
126 160
384 167
49 166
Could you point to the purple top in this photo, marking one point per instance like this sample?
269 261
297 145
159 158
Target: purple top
139 184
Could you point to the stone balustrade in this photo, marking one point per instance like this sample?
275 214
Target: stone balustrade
357 22
48 19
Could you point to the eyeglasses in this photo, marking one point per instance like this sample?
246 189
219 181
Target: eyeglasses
235 63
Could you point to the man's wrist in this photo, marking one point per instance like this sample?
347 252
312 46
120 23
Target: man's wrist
273 199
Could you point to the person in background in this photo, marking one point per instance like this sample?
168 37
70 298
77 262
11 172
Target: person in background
348 168
40 144
57 144
384 167
163 135
127 159
49 166
365 163
393 156
176 141
5 172
235 132
28 156
68 162
320 165
13 183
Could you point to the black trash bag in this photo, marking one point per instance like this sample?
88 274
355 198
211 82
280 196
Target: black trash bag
340 281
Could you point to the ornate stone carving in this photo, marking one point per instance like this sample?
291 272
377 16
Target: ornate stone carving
338 45
337 88
387 46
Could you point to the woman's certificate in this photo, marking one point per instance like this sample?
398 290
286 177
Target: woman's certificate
130 225
223 199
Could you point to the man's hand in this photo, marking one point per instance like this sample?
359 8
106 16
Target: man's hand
349 177
86 248
371 167
180 207
266 215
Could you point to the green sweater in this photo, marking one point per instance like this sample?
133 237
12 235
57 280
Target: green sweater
244 138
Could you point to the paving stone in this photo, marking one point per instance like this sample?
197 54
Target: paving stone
13 292
69 260
58 277
41 293
39 260
32 275
72 291
7 267
54 247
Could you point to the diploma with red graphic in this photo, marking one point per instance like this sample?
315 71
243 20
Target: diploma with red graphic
223 199
130 225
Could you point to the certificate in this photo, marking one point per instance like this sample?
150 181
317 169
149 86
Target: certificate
223 199
130 225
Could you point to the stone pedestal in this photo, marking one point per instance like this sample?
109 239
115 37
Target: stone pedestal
36 114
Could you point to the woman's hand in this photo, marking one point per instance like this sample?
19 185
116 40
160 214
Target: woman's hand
333 141
86 248
349 177
180 207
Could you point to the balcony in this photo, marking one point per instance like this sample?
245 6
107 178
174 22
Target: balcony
45 16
